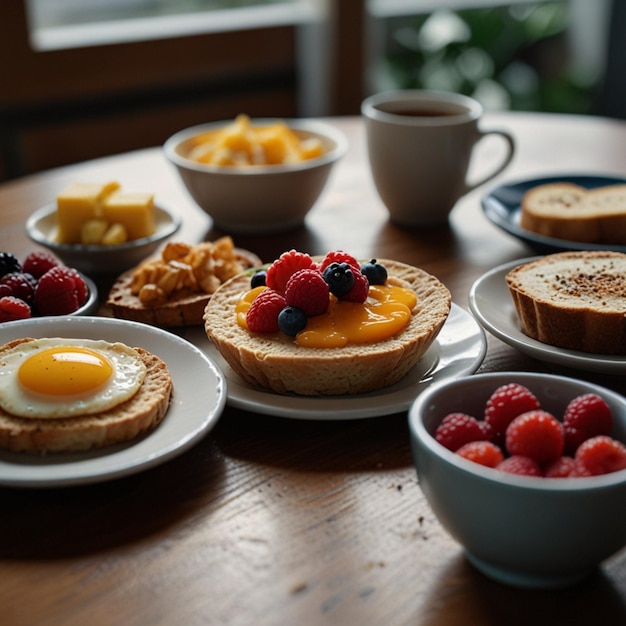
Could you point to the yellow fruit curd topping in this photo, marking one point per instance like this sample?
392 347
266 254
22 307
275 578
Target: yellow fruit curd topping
385 313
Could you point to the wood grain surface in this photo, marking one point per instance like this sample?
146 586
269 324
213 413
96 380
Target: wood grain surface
276 521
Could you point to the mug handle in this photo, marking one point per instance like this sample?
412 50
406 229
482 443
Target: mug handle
510 142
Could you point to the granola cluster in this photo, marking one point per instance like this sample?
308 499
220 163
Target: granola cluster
184 268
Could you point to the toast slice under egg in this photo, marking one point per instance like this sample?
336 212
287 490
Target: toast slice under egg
125 422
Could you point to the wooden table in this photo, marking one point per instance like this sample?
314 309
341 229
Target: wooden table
286 522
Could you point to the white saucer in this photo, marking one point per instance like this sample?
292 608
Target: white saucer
491 304
196 406
458 350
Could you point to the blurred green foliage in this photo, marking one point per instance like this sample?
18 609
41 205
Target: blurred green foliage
508 57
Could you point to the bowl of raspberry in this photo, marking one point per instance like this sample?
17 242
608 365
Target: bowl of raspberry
526 471
41 285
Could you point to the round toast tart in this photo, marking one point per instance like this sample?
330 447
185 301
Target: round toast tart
286 362
573 300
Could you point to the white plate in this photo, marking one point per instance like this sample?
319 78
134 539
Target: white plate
458 350
491 303
197 403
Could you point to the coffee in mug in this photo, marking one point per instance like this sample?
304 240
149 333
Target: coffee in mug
420 145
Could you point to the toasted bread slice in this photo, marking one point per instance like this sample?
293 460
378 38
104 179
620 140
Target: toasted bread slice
574 300
571 212
140 414
275 362
183 308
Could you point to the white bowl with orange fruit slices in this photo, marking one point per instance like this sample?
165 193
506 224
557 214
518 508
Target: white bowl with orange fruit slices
256 176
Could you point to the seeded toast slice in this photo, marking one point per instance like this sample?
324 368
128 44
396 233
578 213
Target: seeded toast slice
574 300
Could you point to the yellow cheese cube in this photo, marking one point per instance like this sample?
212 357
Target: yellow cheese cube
77 204
134 211
115 235
93 231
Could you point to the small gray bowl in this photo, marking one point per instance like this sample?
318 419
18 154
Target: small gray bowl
41 227
257 199
523 531
90 306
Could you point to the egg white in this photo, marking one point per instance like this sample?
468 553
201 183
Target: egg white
128 374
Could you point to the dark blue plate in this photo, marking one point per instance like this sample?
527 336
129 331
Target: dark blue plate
502 207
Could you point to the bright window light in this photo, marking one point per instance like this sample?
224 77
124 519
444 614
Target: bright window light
56 24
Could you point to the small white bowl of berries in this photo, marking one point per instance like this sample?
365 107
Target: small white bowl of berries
41 285
526 471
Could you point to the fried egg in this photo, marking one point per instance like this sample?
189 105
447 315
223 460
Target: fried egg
58 377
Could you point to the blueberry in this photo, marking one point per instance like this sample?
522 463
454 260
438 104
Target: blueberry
375 273
340 279
291 320
258 279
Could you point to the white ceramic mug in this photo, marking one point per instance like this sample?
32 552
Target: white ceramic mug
420 144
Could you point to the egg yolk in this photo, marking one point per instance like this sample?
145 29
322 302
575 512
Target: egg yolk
65 371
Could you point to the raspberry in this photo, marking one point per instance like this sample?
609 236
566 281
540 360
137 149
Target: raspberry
338 256
579 471
60 291
601 455
486 429
561 468
82 292
22 285
12 308
9 263
457 429
262 316
520 465
307 290
585 416
281 270
5 290
360 289
481 452
38 263
536 434
505 404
